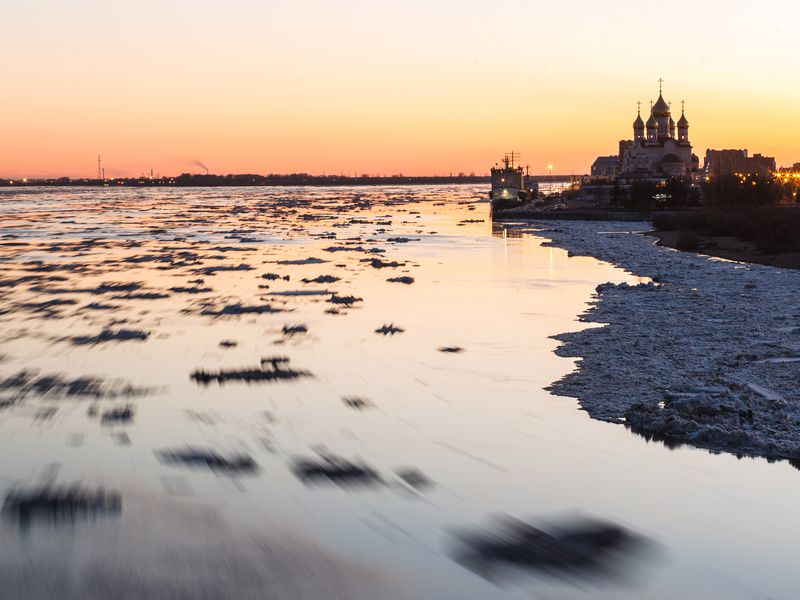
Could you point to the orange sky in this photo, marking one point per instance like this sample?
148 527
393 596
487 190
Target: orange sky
382 87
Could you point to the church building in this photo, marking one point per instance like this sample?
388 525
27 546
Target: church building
656 152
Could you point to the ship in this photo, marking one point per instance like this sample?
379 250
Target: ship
511 186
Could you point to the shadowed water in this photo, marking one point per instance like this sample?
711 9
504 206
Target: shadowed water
304 392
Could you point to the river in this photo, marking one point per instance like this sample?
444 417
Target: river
116 297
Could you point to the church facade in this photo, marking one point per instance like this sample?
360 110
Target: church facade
660 148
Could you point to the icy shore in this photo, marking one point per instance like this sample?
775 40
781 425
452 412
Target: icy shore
707 354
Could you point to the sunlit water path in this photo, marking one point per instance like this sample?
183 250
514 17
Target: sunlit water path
448 420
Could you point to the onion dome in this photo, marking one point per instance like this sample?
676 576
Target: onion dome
671 122
638 123
661 108
651 122
683 121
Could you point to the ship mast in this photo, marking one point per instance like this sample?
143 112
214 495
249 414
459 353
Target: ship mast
511 158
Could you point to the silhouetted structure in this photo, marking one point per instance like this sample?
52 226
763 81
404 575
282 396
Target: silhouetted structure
605 166
660 148
719 163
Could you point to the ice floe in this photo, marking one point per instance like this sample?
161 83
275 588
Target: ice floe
703 353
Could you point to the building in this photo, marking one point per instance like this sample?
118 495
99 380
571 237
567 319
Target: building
624 146
790 180
660 148
719 163
605 166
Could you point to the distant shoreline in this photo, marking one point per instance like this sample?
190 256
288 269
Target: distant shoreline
242 181
247 180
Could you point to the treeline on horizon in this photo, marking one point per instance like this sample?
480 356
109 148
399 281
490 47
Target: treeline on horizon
187 179
248 179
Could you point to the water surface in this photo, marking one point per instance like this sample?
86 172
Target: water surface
448 439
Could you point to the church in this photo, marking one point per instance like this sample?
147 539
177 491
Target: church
655 152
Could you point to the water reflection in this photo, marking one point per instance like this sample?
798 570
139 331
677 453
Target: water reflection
170 548
501 229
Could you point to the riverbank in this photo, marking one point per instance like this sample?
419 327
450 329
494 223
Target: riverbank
727 247
570 214
766 235
707 353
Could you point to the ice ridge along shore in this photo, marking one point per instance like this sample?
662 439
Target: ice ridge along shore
707 353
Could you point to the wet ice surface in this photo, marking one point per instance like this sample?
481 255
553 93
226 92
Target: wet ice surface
194 403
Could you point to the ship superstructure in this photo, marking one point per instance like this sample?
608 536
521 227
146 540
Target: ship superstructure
511 186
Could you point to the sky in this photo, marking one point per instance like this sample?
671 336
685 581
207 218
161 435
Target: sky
366 86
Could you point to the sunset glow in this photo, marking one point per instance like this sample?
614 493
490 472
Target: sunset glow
370 299
382 88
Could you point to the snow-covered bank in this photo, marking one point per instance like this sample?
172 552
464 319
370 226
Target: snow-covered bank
707 355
